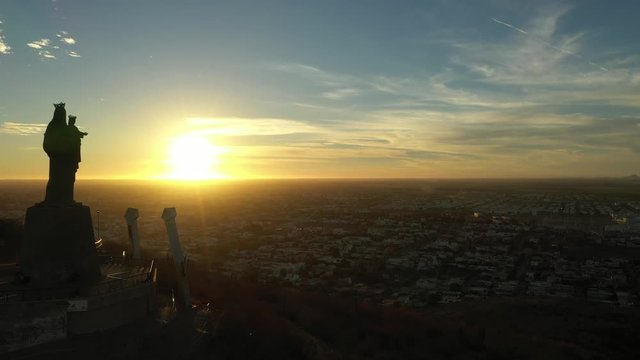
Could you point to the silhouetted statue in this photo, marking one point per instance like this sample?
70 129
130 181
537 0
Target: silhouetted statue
76 135
63 149
59 243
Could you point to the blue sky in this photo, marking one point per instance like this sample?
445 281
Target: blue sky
327 88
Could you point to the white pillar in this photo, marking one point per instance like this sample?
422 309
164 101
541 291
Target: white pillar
169 217
131 215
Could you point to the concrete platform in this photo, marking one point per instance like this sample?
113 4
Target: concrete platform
31 315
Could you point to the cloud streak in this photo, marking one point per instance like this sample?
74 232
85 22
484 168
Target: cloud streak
39 44
23 129
510 26
510 108
549 44
46 50
5 49
64 37
340 94
248 126
43 48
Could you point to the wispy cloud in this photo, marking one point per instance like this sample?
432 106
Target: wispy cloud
311 72
547 31
510 26
39 44
5 49
541 68
46 50
279 139
248 126
340 94
495 102
22 128
65 38
45 54
42 48
389 91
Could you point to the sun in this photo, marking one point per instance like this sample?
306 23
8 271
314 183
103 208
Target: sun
193 157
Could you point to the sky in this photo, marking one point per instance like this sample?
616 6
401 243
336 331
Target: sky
324 89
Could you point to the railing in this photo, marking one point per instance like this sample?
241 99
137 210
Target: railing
113 284
121 258
116 283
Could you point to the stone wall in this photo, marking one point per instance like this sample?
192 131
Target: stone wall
112 310
27 324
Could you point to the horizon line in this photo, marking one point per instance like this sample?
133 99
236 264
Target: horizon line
165 180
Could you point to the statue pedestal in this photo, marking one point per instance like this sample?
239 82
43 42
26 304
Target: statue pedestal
59 245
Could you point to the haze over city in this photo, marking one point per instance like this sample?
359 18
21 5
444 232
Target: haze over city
284 89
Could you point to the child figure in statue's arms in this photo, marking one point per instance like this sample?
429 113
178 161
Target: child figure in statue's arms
76 134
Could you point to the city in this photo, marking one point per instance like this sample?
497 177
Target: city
408 243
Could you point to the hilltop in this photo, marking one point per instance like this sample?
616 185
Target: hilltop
241 319
253 321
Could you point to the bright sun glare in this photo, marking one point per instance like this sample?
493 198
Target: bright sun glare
192 157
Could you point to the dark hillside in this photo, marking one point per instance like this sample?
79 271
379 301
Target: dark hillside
248 320
11 232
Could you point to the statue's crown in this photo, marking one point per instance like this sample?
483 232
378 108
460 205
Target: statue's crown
59 105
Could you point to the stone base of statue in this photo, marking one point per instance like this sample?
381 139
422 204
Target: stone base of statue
59 245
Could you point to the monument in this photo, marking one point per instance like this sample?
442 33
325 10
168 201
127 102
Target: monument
60 286
59 244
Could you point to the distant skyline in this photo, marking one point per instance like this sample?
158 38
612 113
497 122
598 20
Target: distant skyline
337 89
